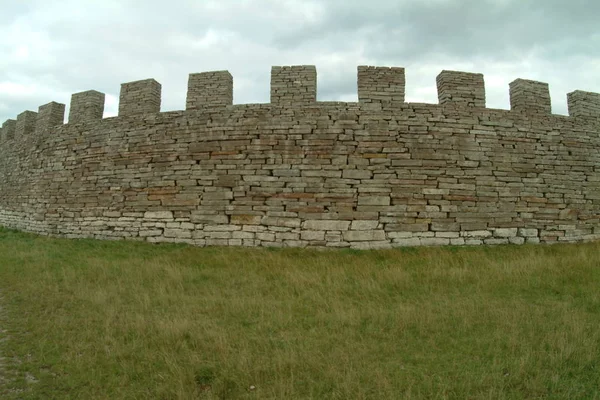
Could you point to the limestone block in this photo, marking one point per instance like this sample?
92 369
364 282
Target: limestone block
312 235
525 232
374 200
245 219
326 225
505 232
358 225
158 215
358 236
476 234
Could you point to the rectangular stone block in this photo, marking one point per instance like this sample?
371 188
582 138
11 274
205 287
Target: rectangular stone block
150 233
374 200
202 217
361 236
282 222
476 234
358 225
357 174
326 225
245 219
528 232
445 226
177 233
312 235
168 215
505 232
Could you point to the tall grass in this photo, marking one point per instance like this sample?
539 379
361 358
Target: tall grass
98 320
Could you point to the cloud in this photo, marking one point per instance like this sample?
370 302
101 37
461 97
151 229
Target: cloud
53 49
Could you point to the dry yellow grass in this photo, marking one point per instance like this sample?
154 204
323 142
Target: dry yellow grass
93 319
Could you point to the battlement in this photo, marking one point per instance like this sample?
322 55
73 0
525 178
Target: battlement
209 89
296 86
299 172
530 96
583 104
86 106
26 122
8 129
50 116
461 89
381 84
140 97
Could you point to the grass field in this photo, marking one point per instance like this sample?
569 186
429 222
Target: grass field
123 320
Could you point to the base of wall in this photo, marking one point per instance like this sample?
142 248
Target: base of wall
162 227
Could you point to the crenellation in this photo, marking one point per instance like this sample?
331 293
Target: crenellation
140 97
293 85
49 116
461 88
530 96
209 90
8 129
379 84
376 173
583 104
86 106
26 122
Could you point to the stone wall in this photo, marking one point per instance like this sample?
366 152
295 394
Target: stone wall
298 172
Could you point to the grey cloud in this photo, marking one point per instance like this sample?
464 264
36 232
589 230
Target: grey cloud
62 48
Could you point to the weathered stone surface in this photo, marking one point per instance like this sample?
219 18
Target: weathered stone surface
312 235
361 236
373 200
476 234
297 172
326 225
528 232
244 219
359 225
505 232
158 215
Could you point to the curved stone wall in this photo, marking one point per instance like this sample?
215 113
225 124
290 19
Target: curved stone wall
297 172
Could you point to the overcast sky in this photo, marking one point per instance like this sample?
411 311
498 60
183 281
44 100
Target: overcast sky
51 49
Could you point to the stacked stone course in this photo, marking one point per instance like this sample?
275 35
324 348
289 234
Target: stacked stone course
86 106
293 85
530 96
381 84
583 104
461 89
297 172
209 89
140 97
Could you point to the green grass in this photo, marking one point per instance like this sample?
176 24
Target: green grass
105 320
